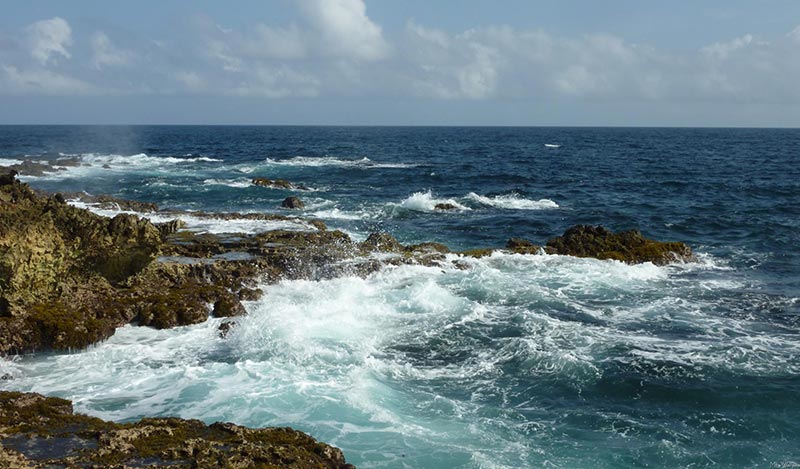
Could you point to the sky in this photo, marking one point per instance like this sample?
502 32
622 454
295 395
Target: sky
379 62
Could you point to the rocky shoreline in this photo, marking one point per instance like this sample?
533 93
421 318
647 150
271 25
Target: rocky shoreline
43 432
69 278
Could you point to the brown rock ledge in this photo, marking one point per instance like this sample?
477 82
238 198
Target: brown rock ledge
42 432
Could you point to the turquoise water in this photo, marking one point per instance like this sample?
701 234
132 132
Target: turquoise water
520 361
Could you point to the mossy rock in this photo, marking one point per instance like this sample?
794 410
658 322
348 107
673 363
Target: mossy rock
381 242
62 327
477 253
626 246
168 442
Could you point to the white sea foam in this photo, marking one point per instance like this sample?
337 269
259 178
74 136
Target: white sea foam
9 162
331 161
512 201
426 202
92 163
337 214
238 183
207 224
140 160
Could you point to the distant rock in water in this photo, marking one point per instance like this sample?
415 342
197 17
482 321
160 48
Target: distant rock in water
277 184
445 206
626 246
522 246
293 203
39 431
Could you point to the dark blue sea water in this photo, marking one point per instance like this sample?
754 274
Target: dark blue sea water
520 361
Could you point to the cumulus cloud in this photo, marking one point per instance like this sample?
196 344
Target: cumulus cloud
105 54
345 30
451 67
333 48
48 38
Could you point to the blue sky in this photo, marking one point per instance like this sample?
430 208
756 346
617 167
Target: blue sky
412 62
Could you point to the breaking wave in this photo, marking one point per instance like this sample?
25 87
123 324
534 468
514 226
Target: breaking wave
331 161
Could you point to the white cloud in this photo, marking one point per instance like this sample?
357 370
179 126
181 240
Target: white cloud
335 39
43 82
49 37
463 66
794 34
220 51
723 50
276 42
345 30
190 80
105 54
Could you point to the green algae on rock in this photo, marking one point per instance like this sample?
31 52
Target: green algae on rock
38 431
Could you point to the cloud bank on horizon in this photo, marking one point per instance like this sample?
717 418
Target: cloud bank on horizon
333 49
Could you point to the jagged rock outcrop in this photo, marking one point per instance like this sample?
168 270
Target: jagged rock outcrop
69 278
626 246
39 432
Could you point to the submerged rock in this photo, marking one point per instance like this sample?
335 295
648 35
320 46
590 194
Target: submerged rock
626 246
293 203
39 431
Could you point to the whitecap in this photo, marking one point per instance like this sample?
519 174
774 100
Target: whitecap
426 202
238 183
512 201
207 224
331 161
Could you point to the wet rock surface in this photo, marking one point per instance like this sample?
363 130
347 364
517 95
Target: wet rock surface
43 432
293 203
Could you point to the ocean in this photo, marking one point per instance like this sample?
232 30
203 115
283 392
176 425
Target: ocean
518 361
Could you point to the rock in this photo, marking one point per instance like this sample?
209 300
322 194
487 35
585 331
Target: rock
30 422
169 227
522 246
445 206
228 305
626 246
277 184
429 248
69 162
383 242
477 253
292 203
8 178
225 328
32 168
250 294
